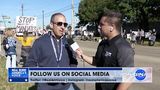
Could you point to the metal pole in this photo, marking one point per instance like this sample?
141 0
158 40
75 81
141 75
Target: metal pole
22 9
43 19
72 17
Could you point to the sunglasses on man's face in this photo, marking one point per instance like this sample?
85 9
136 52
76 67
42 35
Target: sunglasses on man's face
61 23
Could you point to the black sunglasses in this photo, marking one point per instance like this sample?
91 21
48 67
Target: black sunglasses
60 24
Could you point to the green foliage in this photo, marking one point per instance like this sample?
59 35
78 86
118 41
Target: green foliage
139 11
89 10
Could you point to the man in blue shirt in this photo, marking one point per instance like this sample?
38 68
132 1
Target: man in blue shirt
52 50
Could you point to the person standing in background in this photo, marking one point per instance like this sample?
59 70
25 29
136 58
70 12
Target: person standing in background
26 41
10 49
154 36
142 36
133 40
138 37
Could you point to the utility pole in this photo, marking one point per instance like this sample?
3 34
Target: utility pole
43 19
72 22
22 8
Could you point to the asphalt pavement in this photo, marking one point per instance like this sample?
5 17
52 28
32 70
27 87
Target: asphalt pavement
145 56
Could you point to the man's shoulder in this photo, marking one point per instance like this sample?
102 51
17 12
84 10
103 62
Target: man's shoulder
42 39
122 44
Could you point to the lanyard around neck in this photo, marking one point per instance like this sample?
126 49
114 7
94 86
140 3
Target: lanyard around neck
54 49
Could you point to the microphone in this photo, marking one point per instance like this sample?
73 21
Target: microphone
73 44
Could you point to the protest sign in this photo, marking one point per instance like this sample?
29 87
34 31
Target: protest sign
26 23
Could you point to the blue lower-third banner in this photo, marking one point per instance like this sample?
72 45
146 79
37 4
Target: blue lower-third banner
81 75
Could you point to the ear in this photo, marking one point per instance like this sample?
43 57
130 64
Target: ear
111 29
51 25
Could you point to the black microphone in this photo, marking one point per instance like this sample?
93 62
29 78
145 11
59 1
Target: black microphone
73 44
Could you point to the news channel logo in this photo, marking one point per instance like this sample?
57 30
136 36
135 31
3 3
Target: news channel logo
140 74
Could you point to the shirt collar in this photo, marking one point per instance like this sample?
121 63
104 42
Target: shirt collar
114 39
53 35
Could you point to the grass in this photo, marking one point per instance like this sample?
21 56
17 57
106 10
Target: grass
5 85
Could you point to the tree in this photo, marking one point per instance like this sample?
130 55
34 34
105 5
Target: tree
134 11
145 11
89 11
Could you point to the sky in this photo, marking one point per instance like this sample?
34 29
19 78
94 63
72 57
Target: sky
12 8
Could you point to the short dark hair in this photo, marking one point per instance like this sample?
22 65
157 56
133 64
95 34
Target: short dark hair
113 17
55 14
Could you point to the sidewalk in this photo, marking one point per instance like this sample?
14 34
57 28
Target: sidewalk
2 52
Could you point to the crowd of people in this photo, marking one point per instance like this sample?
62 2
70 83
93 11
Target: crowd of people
139 37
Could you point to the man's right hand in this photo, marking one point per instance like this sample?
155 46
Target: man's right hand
79 53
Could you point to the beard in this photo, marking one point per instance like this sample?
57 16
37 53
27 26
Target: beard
101 32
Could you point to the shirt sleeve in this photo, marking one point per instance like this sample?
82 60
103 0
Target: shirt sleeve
125 56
